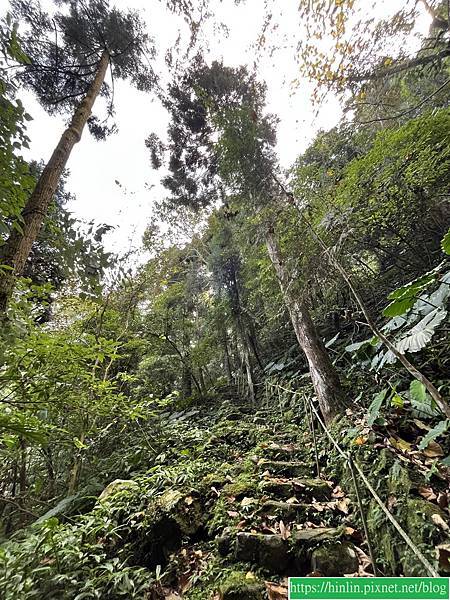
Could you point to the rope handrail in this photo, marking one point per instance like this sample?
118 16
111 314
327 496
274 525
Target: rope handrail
353 463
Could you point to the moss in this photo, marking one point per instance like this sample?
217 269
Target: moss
414 515
245 482
238 587
220 517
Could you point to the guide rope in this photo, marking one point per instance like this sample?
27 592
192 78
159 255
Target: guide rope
354 466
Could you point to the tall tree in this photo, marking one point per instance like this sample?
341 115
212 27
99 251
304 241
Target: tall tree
65 59
348 46
222 146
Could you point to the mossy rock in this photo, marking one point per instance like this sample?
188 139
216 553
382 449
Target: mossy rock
169 518
286 468
299 487
423 532
267 551
239 587
282 452
185 509
335 559
117 486
415 516
290 511
245 484
304 541
213 480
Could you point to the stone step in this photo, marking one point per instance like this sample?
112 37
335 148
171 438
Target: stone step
284 452
291 511
270 552
286 468
320 548
300 488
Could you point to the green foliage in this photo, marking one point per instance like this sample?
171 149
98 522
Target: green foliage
438 430
445 243
404 298
375 406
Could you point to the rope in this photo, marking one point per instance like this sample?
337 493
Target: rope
353 464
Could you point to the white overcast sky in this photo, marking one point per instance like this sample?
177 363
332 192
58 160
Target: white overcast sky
95 166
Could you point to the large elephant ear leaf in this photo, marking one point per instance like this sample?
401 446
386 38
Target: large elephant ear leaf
445 243
403 298
420 335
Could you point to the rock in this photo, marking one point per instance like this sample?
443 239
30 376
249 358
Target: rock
313 535
300 488
335 560
285 510
233 416
303 541
239 587
284 452
118 485
224 542
286 468
185 509
267 551
170 517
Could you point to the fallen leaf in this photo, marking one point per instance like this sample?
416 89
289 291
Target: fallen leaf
391 502
337 492
276 591
439 521
443 500
343 505
433 450
421 425
189 500
250 575
247 502
443 554
360 440
400 444
292 500
427 493
285 531
232 513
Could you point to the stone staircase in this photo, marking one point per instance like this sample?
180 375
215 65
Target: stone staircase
296 503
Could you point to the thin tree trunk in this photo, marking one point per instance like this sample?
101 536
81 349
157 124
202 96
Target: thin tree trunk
17 248
227 358
323 374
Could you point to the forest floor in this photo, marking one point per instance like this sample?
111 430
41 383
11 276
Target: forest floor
235 506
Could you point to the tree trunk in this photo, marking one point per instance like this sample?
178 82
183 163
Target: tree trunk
17 248
323 374
227 359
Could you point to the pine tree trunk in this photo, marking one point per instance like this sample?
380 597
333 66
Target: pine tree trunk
17 248
323 374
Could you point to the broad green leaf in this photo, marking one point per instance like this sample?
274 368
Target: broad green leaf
440 428
374 408
357 345
421 400
420 335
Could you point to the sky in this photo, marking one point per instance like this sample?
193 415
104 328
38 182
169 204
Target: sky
112 180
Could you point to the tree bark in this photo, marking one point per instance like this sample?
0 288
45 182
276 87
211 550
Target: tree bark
17 248
323 374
